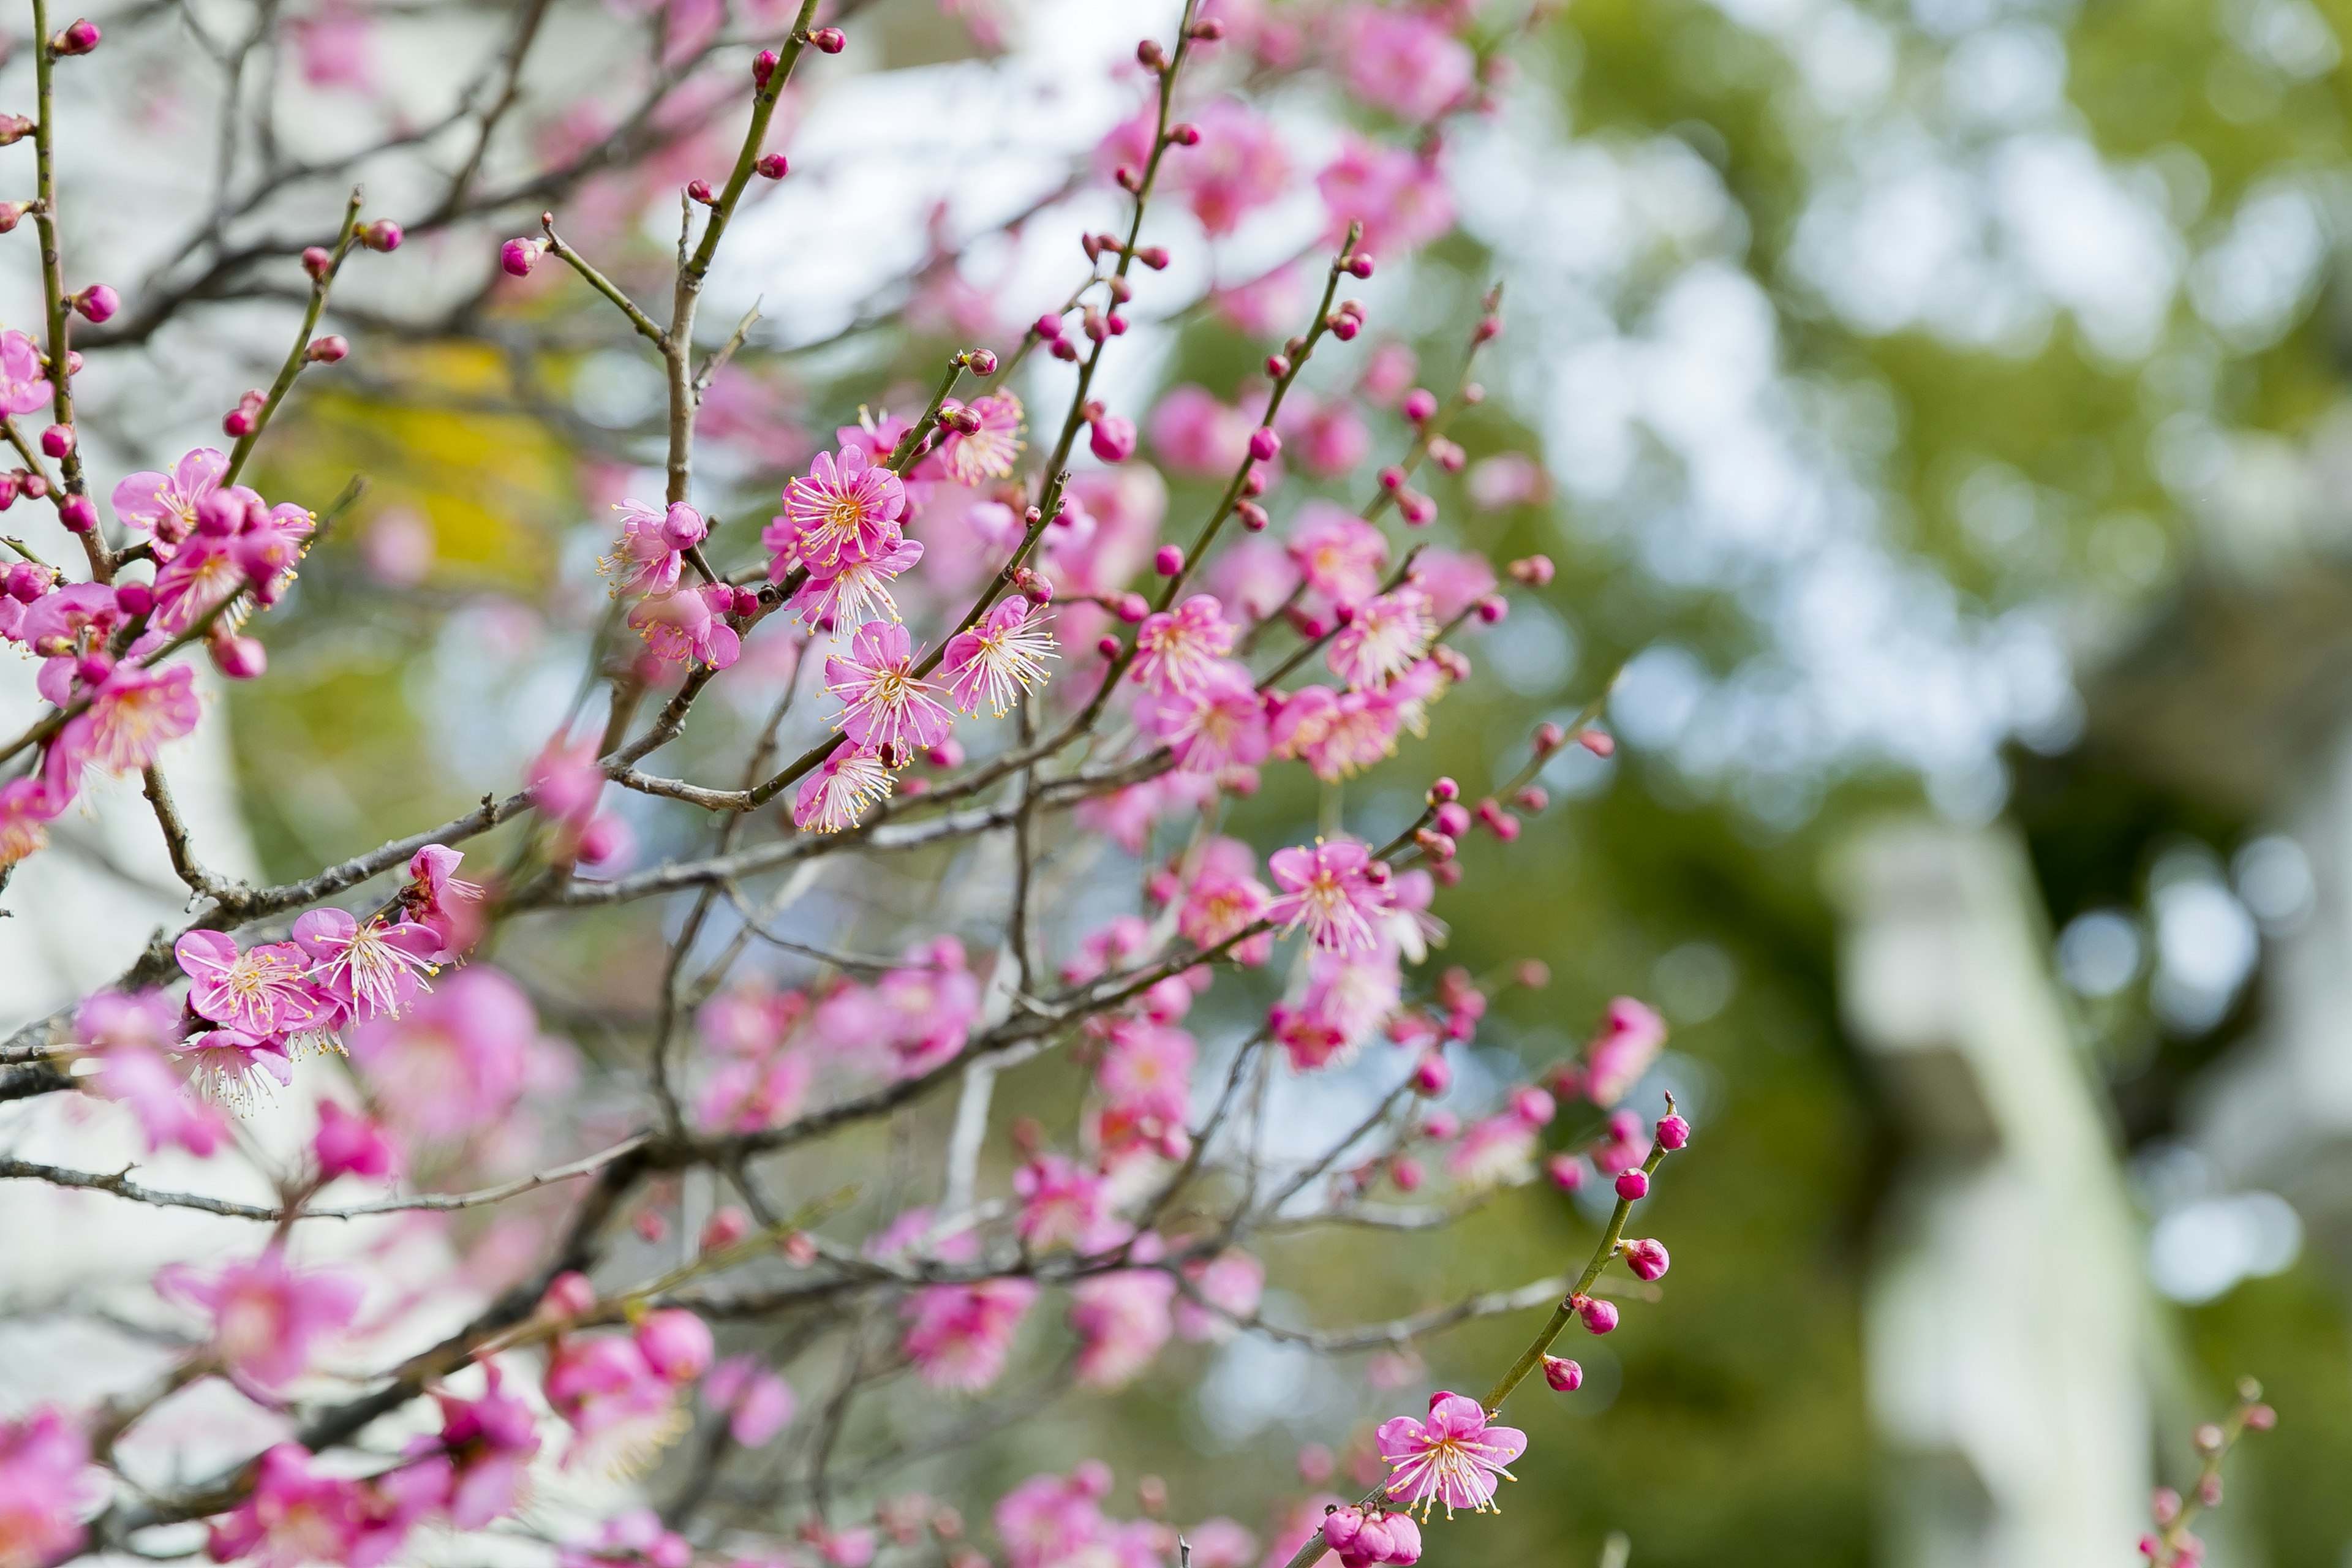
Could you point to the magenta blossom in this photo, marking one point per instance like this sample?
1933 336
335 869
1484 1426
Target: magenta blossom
1365 1539
974 458
999 660
885 704
1049 1523
1340 554
28 806
24 375
837 793
620 1406
757 1403
1197 436
959 1336
1622 1051
1336 889
1177 651
141 1077
368 971
262 991
296 1516
1121 1320
1452 1458
44 1487
1404 61
266 1318
689 626
491 1443
132 713
1214 725
1062 1204
1386 638
456 1061
841 508
441 902
857 589
349 1144
648 557
163 506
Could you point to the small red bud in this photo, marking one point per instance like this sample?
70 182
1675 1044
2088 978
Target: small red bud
1391 477
381 235
1253 516
1265 445
1132 608
1184 135
699 190
1149 56
316 259
1599 1316
134 599
1153 256
1108 646
1208 29
1276 366
763 66
1532 798
78 514
1489 328
1443 790
15 128
78 38
774 166
328 348
1168 560
1359 266
57 440
1420 404
1672 1132
1565 1376
1647 1259
1634 1185
828 40
725 1228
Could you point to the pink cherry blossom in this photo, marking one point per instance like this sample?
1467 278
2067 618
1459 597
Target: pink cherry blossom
748 1096
1225 898
884 703
1386 636
1197 436
999 660
24 375
1265 307
857 590
959 1336
440 900
1337 733
1363 1539
837 793
1062 1202
163 506
926 1007
265 990
1452 1458
841 507
650 552
455 1062
296 1516
45 1487
620 1406
1121 1320
1494 1151
1145 1075
202 574
1329 439
1222 1542
369 971
28 806
349 1145
267 1318
1177 651
689 626
1334 888
236 1066
633 1538
490 1442
1400 197
1401 60
1047 1521
1340 554
1237 167
1455 580
132 713
974 458
1623 1050
1216 724
1228 1286
757 1403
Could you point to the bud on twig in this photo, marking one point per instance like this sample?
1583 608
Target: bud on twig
15 128
381 235
763 66
699 190
77 39
246 417
96 303
328 348
58 441
13 213
828 40
774 166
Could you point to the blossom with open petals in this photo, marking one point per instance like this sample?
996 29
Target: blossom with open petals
368 969
44 1482
1452 1458
999 660
1335 888
648 557
975 456
837 793
842 506
1176 650
265 990
857 589
268 1317
163 506
885 704
1216 724
1385 640
131 714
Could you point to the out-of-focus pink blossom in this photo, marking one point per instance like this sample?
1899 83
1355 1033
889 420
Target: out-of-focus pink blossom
959 1336
489 1443
1121 1320
1387 637
456 1061
132 713
1402 60
45 1485
1237 166
24 375
1623 1050
1229 1286
1178 650
1401 198
1340 554
1266 307
757 1403
1062 1202
267 1318
349 1144
1219 723
1197 436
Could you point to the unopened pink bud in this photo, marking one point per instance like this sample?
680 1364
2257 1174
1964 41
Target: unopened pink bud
699 190
1108 646
1253 516
1566 1171
981 360
1276 366
1438 847
568 1295
947 753
1493 609
96 303
1343 327
1062 348
763 66
725 1228
15 128
828 40
1532 798
1444 789
1264 444
1599 1316
1672 1132
1565 1376
1420 404
1406 1172
746 602
328 348
2261 1418
1133 607
1432 1075
1535 571
800 1250
1168 561
519 256
2164 1505
1448 455
1532 1106
1150 56
78 514
1112 439
774 166
1647 1259
676 1344
1453 819
78 38
1208 29
1184 135
1359 265
133 599
381 235
57 440
1634 1185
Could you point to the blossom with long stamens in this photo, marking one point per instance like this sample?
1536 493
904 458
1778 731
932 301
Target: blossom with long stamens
841 507
1384 640
837 793
265 990
1000 660
132 713
988 453
370 970
1217 724
856 591
235 1067
1452 1458
439 899
885 703
648 555
1336 889
1177 651
28 806
163 506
